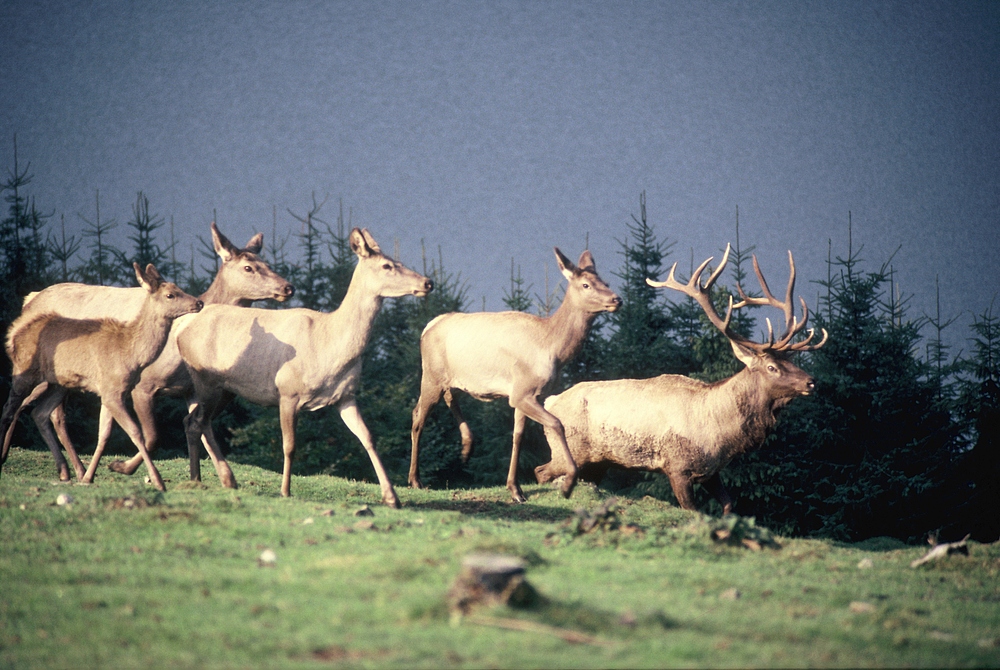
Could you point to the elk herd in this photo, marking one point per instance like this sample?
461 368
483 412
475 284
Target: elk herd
136 343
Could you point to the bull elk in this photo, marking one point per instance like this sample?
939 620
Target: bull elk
242 278
294 359
510 355
684 428
103 356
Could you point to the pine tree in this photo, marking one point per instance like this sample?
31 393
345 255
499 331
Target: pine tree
101 267
24 255
145 249
641 342
517 298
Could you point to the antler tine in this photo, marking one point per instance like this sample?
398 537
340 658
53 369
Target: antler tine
804 344
700 292
718 271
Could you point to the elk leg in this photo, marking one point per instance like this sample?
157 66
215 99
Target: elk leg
289 415
211 443
17 400
683 490
142 403
352 419
714 486
553 428
429 395
58 418
105 424
463 425
116 405
515 454
198 430
41 414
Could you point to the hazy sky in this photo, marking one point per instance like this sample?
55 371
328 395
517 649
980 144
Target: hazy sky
502 129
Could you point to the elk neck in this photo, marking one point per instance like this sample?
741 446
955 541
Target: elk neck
355 315
567 328
146 335
219 294
749 403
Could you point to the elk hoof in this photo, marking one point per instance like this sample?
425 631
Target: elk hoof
415 484
568 485
517 495
121 467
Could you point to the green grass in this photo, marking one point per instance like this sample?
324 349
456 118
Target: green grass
126 577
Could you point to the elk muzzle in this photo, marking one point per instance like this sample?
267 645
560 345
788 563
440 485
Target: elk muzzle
427 288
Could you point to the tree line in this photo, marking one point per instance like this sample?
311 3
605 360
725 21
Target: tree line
900 438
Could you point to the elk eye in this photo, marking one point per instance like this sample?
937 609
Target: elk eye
771 368
387 266
170 296
586 285
248 268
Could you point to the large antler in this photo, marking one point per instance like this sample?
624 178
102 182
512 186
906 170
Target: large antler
792 325
700 293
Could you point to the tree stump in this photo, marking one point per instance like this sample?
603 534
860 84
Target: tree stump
490 579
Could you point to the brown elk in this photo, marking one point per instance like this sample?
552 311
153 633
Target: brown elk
242 278
510 355
103 356
684 428
294 359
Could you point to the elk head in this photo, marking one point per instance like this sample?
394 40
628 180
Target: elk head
172 300
390 278
586 285
245 274
767 361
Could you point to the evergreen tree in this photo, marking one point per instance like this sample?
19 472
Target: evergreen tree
641 342
869 453
517 298
62 250
101 266
24 255
978 409
145 249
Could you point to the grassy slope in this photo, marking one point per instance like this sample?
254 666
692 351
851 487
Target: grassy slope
177 583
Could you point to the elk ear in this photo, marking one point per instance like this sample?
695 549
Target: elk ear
586 262
565 265
746 355
372 244
363 244
149 278
223 246
255 244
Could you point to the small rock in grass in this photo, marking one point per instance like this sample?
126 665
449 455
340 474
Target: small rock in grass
307 521
267 559
364 510
326 512
64 499
866 564
861 607
730 594
490 579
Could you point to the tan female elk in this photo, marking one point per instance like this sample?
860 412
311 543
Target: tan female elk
103 356
509 355
294 359
684 428
243 277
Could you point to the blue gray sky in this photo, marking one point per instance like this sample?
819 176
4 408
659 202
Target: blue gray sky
501 129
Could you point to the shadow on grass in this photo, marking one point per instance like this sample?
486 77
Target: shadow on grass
492 509
881 544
